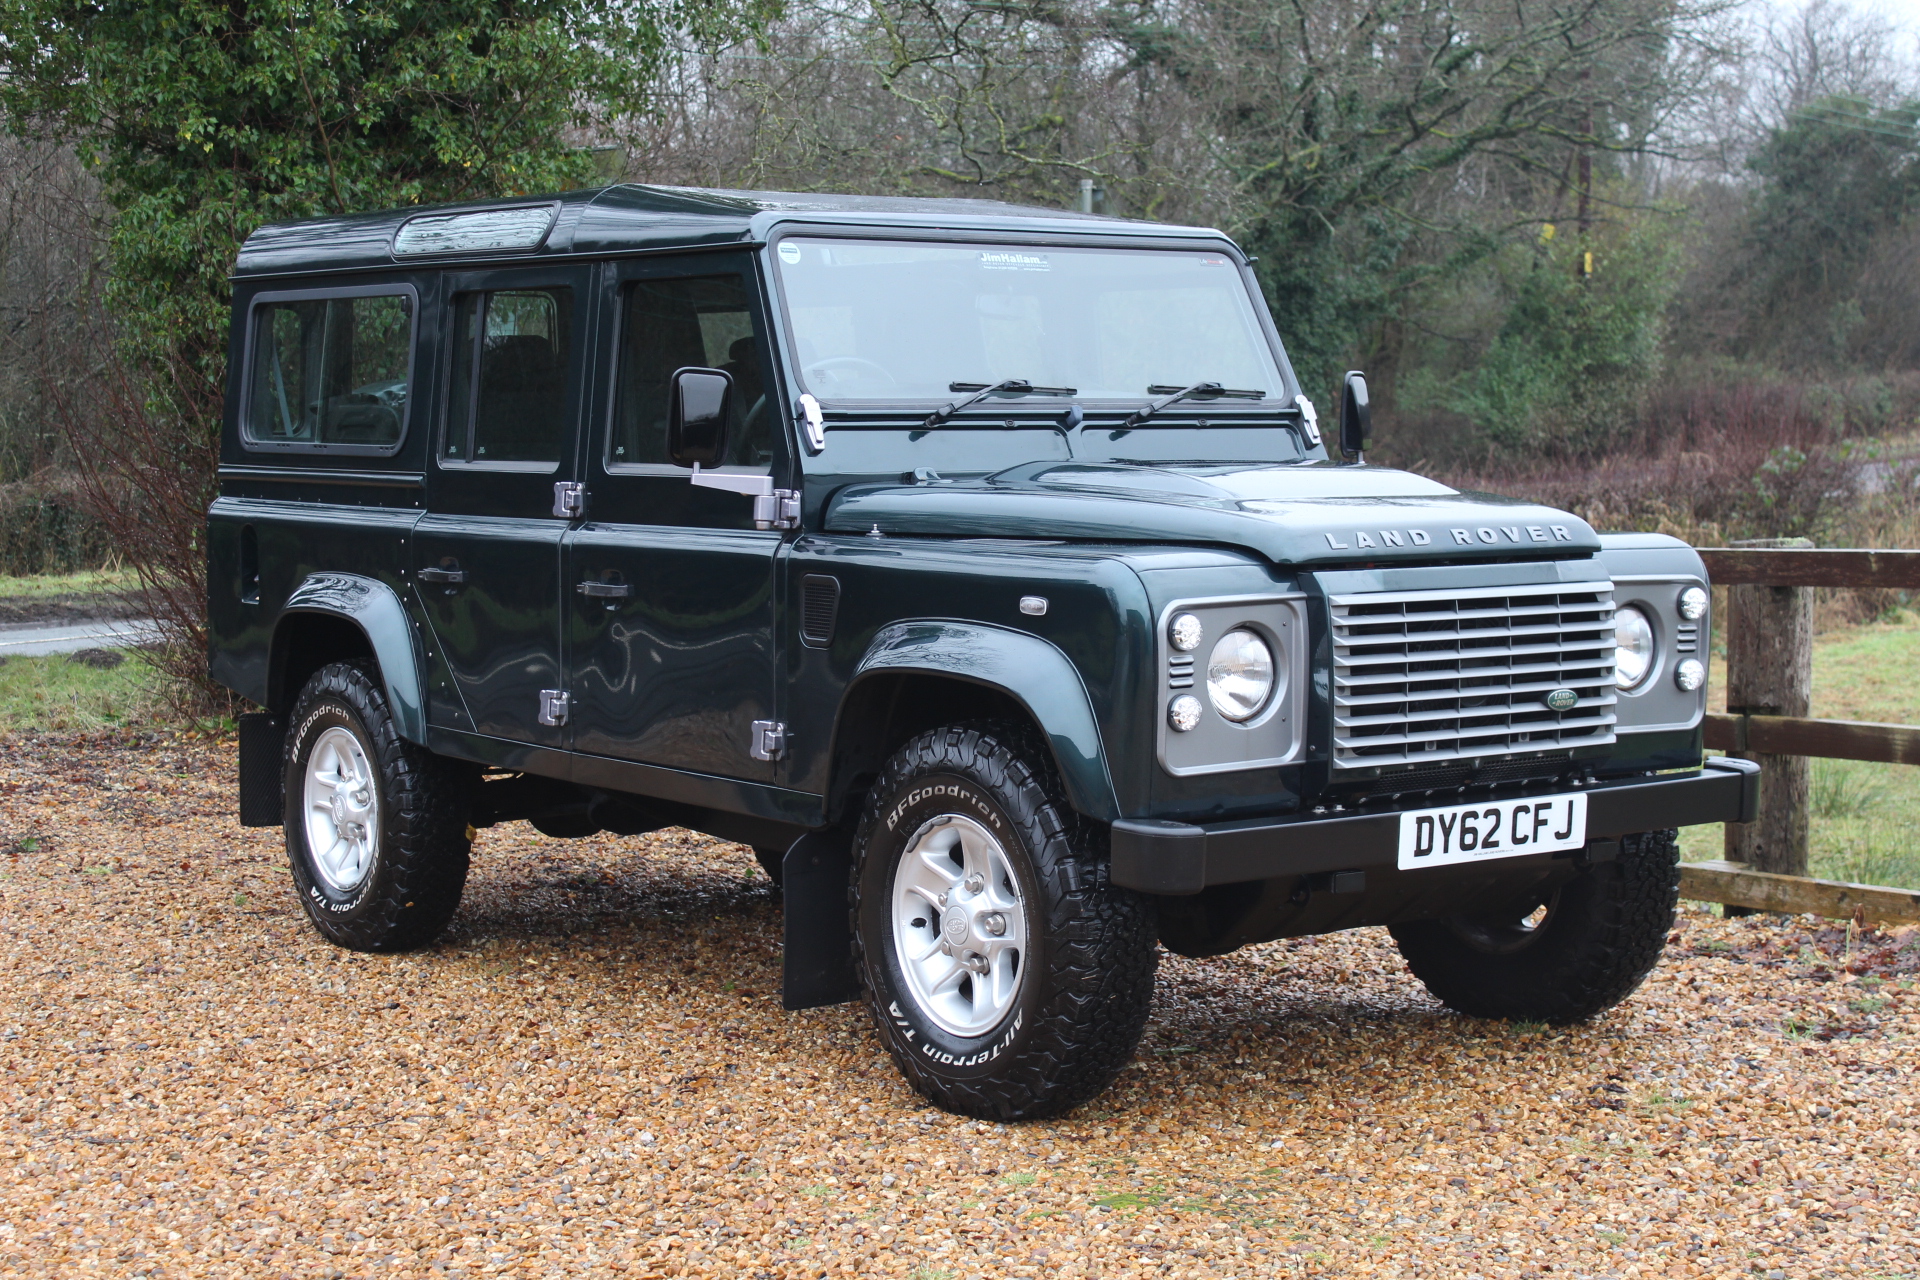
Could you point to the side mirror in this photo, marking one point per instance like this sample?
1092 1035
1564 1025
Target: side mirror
697 416
1356 419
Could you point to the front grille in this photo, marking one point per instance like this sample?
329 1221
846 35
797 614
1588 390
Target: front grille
1421 677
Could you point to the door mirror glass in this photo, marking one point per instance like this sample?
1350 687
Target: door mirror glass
697 417
1356 419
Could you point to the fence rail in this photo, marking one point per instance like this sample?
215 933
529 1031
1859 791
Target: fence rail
1769 632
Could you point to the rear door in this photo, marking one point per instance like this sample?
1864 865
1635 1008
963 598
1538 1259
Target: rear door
671 606
487 555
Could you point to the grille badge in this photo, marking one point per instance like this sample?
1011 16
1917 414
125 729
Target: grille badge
1562 700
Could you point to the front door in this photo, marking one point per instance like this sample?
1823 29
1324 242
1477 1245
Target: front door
671 602
487 556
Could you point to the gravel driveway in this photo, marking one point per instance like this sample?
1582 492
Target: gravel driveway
592 1075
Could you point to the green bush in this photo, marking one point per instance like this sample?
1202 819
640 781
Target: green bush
1571 367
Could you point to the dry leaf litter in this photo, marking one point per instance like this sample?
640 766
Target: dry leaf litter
591 1074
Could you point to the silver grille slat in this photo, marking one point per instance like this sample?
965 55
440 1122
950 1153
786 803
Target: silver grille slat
1426 677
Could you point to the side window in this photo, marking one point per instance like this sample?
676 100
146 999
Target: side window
704 321
507 402
330 371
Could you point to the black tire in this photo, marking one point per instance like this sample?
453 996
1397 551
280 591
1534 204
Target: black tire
1086 960
1600 936
417 868
772 861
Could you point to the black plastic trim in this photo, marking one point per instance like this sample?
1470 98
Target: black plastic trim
1179 858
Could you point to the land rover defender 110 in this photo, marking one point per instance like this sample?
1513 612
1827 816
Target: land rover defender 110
985 569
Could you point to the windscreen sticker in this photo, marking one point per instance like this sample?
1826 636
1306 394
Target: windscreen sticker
1008 260
790 253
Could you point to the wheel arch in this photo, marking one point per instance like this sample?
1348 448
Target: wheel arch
333 617
917 676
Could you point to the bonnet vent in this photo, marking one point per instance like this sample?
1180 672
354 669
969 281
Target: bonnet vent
819 606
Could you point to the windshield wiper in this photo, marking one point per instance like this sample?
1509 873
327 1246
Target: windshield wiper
1010 386
1214 389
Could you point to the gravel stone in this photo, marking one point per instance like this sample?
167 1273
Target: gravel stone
591 1075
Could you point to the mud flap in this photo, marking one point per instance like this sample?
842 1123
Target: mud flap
819 932
263 737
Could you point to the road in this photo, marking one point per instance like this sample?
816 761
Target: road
67 637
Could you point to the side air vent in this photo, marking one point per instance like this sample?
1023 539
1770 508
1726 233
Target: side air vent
819 607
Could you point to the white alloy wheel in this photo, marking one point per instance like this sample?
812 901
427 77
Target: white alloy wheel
959 925
342 806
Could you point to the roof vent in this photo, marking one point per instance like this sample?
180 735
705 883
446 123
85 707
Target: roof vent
516 230
819 609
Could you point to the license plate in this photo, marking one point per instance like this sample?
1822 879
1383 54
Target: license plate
1495 829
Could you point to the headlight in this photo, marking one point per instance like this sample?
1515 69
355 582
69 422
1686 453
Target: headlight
1184 713
1693 603
1690 675
1240 674
1633 647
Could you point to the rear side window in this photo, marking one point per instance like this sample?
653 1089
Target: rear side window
702 321
510 358
330 373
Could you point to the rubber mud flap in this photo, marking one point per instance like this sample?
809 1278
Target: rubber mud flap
263 737
818 940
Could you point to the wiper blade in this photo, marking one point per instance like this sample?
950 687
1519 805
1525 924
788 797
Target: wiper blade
1211 389
1010 386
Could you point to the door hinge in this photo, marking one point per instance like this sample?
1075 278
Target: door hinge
569 499
554 705
769 739
777 510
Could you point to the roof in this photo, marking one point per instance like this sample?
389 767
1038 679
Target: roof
630 218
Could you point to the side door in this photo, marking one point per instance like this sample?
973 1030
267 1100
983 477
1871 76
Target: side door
487 555
671 602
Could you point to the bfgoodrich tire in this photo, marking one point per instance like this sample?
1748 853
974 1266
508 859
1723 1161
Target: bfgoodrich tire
1008 978
376 826
1561 958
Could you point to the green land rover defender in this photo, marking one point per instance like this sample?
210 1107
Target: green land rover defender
985 569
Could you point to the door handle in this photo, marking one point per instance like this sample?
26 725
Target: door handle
605 590
445 577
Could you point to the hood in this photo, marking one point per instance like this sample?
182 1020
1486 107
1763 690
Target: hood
1291 513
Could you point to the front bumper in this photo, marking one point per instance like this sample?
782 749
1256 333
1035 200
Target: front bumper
1176 858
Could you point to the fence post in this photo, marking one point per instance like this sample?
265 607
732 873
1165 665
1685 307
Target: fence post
1769 634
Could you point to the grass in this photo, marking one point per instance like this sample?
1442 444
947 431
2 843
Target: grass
88 582
49 692
1862 815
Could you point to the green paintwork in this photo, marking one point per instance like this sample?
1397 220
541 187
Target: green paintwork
1033 671
376 610
1108 524
1292 513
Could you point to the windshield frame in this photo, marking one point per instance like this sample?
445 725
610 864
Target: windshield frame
1281 399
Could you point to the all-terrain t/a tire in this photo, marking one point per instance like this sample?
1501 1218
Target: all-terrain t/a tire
1008 978
1564 957
376 825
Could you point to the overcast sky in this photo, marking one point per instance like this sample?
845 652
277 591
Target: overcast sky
1905 12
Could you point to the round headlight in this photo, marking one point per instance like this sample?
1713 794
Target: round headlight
1184 713
1184 631
1693 603
1690 675
1633 647
1240 674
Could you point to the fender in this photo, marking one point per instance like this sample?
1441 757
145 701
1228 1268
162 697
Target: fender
1028 669
373 607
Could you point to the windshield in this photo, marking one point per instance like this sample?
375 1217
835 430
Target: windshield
890 320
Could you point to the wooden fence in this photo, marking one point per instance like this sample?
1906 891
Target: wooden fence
1768 627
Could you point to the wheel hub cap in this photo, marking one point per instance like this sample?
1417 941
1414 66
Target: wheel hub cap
341 810
959 925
